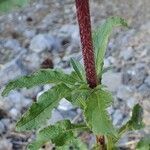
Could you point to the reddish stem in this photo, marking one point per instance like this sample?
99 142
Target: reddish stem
83 15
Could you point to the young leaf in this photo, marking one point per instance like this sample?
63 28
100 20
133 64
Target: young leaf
78 69
144 143
100 39
96 115
41 77
41 110
135 123
60 134
8 5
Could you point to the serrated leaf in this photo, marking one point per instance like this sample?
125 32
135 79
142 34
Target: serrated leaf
144 143
100 39
60 134
78 69
41 110
96 115
40 77
9 5
135 123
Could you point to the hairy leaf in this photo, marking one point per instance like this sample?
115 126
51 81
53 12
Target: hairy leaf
41 77
135 123
100 39
41 110
144 143
96 115
78 68
60 134
8 5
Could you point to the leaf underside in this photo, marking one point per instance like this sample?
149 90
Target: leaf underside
60 134
101 37
41 110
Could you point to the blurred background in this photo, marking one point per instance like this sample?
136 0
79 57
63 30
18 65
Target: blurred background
44 34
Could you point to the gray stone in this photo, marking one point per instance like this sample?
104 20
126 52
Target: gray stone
131 102
56 116
30 62
127 53
12 44
117 117
144 90
14 113
147 81
2 128
65 105
70 32
43 42
29 33
124 92
112 80
5 144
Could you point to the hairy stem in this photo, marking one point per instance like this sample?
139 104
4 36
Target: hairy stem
83 15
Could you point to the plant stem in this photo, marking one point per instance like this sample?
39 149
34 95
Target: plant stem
83 15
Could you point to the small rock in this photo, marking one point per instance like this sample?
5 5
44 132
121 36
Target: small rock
117 117
43 42
70 31
147 81
127 54
2 128
65 105
29 33
56 116
5 145
14 113
12 44
112 80
124 93
131 102
144 89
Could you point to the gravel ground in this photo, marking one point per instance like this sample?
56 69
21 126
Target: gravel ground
53 25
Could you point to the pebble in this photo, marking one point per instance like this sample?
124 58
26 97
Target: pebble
65 105
124 92
2 128
112 80
127 53
42 42
5 144
147 81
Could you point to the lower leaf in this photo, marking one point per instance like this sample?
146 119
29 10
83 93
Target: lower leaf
41 110
96 115
60 134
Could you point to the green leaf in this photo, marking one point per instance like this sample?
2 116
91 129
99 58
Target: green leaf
60 134
135 123
9 5
96 115
41 110
100 39
144 143
76 144
41 77
78 69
